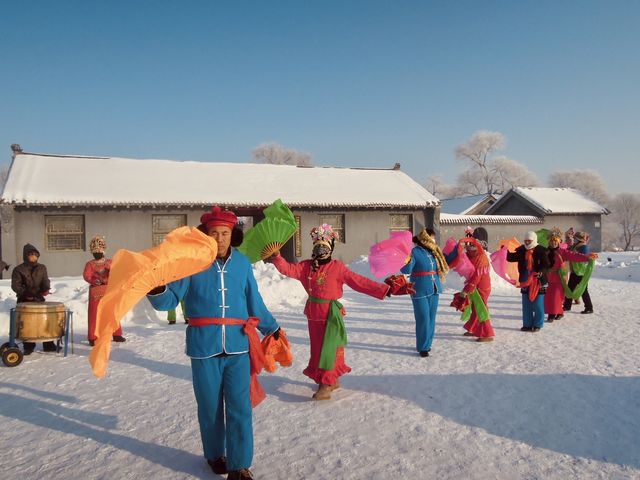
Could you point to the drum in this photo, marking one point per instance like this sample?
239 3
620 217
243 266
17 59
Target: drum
40 320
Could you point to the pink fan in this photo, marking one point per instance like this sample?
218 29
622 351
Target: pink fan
388 256
501 266
461 264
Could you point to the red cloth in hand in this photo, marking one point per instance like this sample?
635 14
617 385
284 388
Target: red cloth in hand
460 301
398 285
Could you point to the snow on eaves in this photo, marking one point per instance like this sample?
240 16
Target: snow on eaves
36 179
454 219
557 200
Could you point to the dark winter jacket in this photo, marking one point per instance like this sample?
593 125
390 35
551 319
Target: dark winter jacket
540 262
29 280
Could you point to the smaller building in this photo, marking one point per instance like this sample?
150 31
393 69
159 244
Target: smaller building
556 207
468 205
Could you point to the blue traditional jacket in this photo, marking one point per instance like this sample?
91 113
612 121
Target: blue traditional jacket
422 260
225 290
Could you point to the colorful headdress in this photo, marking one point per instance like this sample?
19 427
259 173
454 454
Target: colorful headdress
219 217
98 244
323 234
556 234
581 237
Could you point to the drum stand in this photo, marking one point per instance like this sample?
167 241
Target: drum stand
12 355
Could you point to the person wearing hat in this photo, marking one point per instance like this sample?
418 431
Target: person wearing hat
96 274
224 307
580 245
30 281
324 278
533 263
426 266
554 298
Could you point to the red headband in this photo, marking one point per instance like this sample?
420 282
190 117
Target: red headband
219 217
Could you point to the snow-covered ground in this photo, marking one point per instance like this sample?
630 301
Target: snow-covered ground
563 403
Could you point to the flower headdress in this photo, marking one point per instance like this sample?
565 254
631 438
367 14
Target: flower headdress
98 244
323 234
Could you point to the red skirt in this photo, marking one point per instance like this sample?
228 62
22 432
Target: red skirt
318 375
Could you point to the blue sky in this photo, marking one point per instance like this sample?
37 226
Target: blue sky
355 83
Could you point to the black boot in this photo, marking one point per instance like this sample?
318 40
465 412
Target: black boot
244 474
550 318
424 353
119 338
219 465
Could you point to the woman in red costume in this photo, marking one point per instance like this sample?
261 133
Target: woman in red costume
323 279
474 245
554 299
96 273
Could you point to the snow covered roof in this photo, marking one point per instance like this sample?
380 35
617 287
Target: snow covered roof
553 200
38 179
462 205
453 219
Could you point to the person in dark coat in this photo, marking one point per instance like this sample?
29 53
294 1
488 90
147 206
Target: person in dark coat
533 263
30 281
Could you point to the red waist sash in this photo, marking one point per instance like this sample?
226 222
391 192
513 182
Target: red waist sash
422 274
256 355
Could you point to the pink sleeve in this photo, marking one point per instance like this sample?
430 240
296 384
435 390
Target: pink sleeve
293 270
364 285
573 256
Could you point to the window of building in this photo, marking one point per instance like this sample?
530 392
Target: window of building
163 224
64 232
400 222
337 223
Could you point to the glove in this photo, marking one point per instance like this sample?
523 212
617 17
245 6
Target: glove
276 334
399 286
7 267
593 256
157 290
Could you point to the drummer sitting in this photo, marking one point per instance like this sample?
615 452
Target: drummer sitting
31 283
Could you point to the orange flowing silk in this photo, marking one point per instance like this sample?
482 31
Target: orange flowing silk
184 252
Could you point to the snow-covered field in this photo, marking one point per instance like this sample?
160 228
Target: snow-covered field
563 403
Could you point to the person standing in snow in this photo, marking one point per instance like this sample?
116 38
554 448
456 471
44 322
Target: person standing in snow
554 298
533 263
581 239
475 246
30 281
219 303
426 267
324 278
96 274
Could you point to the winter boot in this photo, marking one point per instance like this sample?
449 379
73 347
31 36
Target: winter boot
587 310
424 353
484 339
467 334
550 318
219 465
119 338
244 474
526 329
92 343
323 393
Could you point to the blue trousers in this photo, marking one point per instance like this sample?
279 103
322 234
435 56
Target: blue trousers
533 312
424 311
221 385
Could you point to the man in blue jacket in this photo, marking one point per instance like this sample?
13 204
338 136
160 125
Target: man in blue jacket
218 301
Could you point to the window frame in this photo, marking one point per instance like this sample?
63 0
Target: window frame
163 232
393 228
50 233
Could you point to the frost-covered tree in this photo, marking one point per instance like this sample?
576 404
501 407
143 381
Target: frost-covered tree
588 182
626 211
277 154
477 151
509 174
437 186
